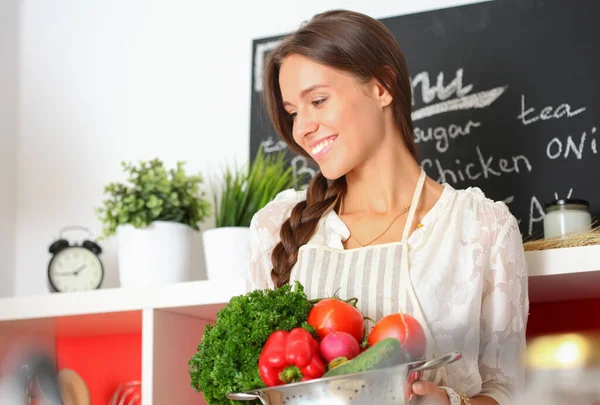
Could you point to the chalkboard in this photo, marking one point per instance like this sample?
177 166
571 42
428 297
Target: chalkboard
506 98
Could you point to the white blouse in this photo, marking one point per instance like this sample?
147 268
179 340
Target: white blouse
467 267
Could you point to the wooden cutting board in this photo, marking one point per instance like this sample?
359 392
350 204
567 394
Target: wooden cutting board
73 388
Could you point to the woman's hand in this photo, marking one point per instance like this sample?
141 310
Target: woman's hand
432 395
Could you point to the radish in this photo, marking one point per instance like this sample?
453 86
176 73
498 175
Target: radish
339 345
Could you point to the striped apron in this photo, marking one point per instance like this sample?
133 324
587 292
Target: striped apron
378 275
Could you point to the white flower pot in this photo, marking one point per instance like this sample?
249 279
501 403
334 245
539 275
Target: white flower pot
157 254
226 252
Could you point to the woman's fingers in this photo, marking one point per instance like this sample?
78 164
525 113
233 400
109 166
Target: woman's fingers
423 387
431 393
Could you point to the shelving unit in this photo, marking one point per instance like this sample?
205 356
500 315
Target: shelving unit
171 318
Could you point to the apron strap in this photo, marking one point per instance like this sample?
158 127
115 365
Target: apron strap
411 214
413 205
407 287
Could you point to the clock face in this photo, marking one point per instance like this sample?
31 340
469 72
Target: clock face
75 269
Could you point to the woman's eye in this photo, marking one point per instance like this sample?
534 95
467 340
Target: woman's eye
315 103
318 102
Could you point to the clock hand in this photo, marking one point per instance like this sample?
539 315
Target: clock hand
72 273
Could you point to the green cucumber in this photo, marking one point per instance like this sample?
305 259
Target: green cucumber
385 353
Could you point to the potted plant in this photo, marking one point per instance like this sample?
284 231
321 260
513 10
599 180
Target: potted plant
154 215
243 192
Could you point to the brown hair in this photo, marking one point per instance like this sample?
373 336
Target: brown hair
350 42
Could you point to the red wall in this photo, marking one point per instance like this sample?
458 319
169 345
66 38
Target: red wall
564 316
104 362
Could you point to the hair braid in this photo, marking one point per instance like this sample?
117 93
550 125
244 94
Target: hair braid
302 224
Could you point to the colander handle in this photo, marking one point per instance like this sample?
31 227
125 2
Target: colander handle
244 396
437 362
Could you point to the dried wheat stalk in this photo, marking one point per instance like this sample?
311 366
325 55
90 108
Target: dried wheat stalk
592 237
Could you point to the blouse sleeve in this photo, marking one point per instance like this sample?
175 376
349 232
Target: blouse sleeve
259 258
504 314
264 236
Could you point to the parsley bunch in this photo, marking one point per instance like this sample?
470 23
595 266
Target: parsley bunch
227 357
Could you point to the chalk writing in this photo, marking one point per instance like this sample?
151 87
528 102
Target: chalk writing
547 112
429 92
477 100
443 134
270 146
568 195
536 213
485 167
300 168
462 102
509 200
571 147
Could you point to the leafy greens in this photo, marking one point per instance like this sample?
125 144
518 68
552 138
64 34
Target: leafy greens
226 360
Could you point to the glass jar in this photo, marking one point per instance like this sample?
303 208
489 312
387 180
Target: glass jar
562 369
567 217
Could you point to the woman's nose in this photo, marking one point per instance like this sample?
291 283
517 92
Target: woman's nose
305 125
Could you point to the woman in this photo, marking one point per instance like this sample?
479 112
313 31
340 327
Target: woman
373 225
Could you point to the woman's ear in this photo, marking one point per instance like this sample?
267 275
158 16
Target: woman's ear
383 95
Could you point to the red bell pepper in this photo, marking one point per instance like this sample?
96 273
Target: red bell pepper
290 357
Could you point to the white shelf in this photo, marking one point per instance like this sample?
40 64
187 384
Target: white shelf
564 274
201 299
111 311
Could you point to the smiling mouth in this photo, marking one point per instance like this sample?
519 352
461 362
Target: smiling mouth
322 147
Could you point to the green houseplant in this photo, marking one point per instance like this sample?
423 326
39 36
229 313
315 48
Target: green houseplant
246 190
154 214
242 193
153 193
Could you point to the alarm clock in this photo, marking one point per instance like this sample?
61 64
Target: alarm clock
73 266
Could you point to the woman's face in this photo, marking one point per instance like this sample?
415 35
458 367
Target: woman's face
336 119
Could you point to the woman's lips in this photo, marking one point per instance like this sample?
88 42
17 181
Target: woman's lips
320 149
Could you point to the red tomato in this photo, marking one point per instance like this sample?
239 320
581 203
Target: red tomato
403 327
334 315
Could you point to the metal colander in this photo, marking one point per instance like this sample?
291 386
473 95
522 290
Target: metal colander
385 386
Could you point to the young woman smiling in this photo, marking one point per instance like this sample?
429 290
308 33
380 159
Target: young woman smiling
373 225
